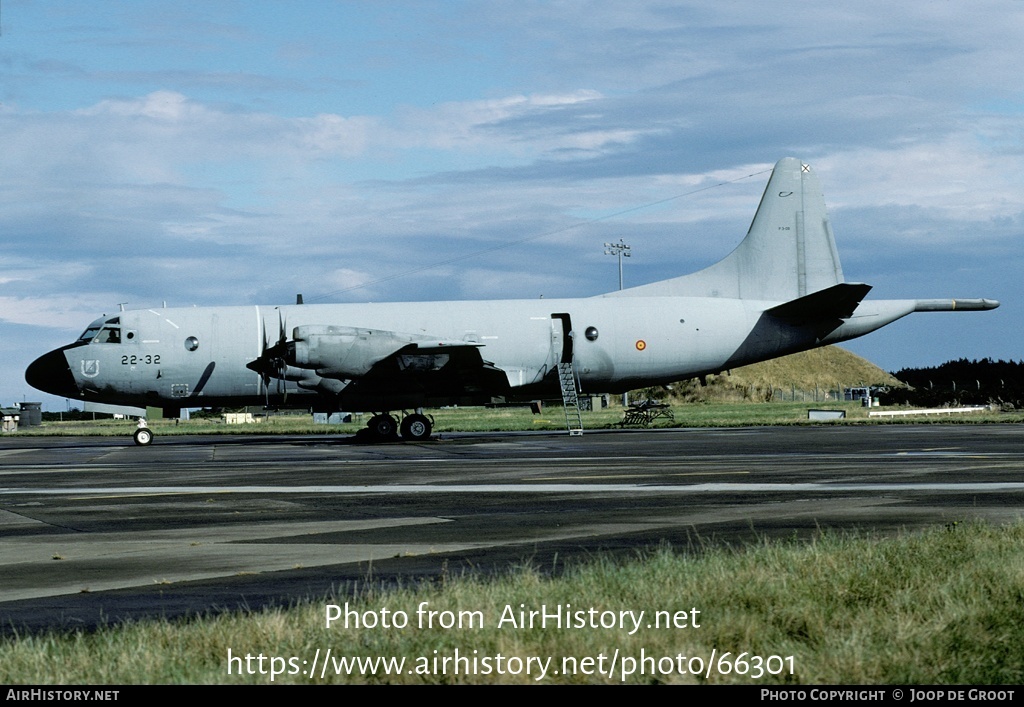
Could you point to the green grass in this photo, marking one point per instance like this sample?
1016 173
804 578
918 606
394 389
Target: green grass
944 606
552 418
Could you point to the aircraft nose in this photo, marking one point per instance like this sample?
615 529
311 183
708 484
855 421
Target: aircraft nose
50 373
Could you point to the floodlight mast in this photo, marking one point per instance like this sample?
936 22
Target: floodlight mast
621 250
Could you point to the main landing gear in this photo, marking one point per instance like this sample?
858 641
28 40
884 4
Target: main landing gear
416 427
413 428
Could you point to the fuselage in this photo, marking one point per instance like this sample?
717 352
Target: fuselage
198 357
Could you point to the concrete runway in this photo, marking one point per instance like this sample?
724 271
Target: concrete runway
97 530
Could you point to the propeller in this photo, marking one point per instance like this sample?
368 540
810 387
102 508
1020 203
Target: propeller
272 361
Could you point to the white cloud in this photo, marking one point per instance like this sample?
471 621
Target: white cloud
60 312
954 177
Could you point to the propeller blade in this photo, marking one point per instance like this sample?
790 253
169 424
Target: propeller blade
273 359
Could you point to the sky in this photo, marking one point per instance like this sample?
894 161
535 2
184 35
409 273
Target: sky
223 152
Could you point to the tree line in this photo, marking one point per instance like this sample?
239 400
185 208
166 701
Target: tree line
962 382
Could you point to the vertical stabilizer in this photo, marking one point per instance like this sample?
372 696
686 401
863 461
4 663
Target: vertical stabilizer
788 252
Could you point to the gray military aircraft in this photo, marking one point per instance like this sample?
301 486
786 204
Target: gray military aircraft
780 291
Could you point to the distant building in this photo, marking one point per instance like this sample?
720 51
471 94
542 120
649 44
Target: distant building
865 395
9 417
31 414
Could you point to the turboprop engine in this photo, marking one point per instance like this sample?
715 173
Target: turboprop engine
345 353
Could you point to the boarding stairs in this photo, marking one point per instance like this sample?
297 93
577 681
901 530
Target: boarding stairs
570 398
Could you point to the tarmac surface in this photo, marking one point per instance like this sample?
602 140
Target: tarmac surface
97 530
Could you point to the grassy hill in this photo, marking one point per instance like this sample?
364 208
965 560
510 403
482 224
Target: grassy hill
826 369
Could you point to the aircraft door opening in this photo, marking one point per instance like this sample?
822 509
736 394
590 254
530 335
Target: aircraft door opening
561 336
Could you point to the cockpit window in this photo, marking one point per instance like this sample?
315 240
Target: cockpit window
109 335
90 333
92 330
103 331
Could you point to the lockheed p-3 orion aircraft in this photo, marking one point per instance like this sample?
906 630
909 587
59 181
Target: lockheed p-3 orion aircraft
780 291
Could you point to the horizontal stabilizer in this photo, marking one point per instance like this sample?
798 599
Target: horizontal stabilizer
954 305
836 302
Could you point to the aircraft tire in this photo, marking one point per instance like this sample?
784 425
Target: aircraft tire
382 427
143 436
416 428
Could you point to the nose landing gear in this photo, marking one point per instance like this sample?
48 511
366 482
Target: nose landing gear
143 435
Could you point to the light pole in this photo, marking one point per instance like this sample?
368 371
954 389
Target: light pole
620 249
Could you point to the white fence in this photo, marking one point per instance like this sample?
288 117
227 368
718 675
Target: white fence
928 411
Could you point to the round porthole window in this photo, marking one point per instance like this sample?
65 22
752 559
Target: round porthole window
591 333
191 343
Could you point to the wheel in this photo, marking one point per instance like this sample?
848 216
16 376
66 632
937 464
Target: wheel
143 436
416 428
382 426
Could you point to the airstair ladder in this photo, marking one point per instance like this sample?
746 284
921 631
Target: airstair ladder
570 400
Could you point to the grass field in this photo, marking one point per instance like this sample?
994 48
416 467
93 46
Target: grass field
714 414
940 607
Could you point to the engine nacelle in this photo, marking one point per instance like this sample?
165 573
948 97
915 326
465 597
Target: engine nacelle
350 352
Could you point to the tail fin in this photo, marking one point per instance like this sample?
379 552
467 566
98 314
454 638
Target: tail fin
789 251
